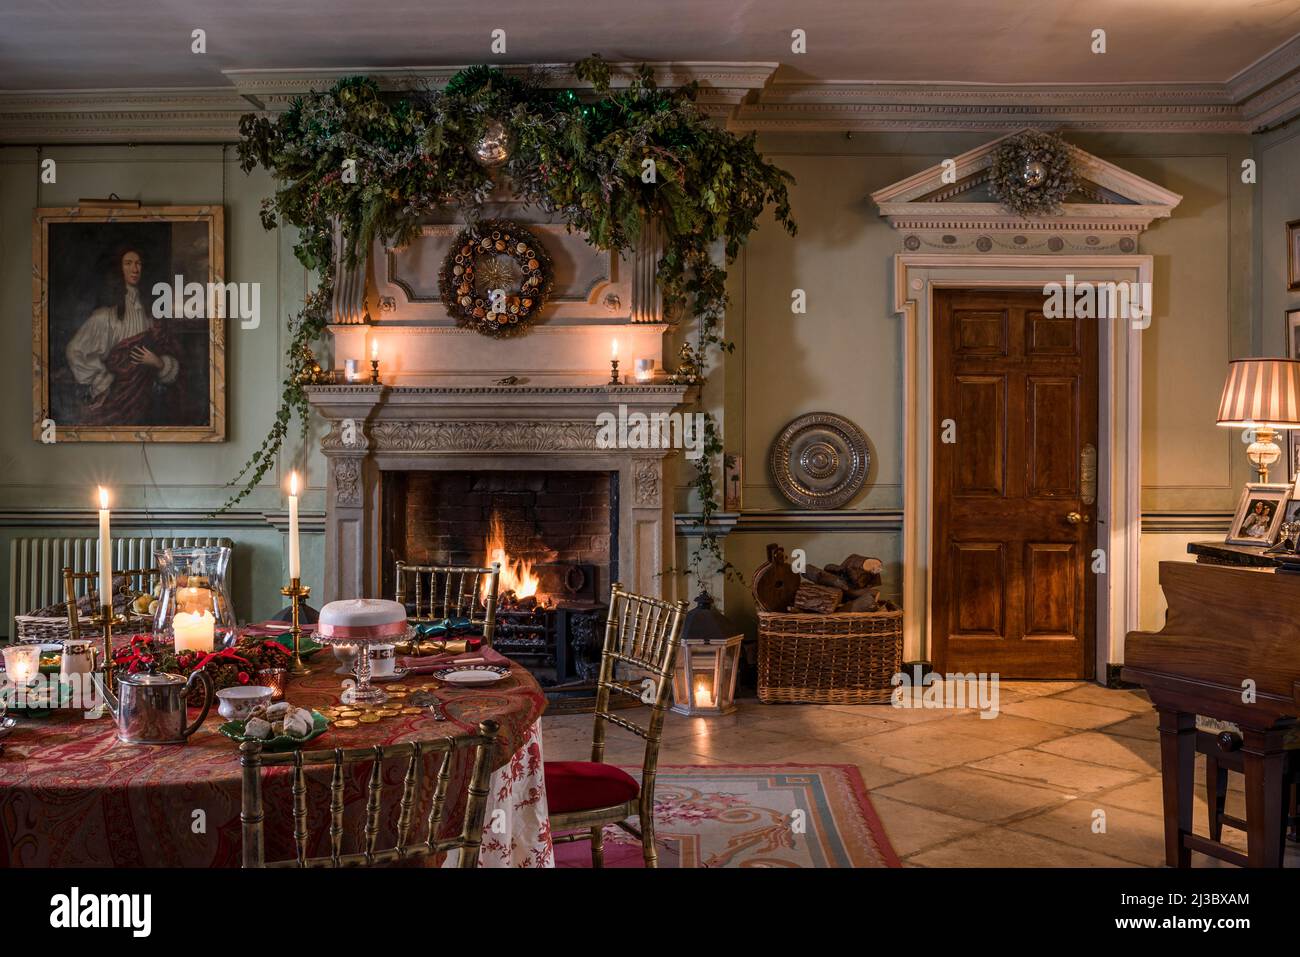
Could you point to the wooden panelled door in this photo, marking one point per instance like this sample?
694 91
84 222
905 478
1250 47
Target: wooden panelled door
1014 497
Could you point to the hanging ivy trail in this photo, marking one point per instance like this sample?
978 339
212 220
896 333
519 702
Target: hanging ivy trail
580 159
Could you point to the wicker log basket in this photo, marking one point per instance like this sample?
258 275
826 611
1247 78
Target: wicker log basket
840 657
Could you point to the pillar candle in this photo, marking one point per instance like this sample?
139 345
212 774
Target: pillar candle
295 567
105 551
193 631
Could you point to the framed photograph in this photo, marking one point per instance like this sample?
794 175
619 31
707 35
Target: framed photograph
1259 514
1293 254
127 345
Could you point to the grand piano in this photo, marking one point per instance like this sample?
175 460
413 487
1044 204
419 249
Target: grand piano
1229 651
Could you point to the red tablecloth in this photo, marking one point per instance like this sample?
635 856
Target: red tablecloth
71 794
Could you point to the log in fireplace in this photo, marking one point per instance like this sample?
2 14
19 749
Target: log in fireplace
554 532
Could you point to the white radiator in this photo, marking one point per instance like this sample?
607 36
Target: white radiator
36 564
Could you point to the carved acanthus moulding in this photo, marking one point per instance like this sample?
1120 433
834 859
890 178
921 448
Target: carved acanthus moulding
461 436
646 483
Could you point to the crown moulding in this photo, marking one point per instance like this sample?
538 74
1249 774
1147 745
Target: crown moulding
743 96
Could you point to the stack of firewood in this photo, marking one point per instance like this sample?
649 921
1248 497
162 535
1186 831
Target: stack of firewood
852 585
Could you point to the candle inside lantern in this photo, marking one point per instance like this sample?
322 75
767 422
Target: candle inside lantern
105 551
350 369
645 370
193 631
703 693
295 564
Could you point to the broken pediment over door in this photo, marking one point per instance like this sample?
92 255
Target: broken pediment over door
956 211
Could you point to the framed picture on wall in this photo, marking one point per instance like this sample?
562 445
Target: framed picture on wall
128 343
1259 514
1293 254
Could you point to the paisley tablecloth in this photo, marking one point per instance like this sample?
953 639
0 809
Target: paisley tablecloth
71 794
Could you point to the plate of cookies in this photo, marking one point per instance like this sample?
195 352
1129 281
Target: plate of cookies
277 727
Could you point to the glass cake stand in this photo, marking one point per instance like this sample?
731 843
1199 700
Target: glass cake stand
363 692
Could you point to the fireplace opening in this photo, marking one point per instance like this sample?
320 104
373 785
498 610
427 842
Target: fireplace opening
555 534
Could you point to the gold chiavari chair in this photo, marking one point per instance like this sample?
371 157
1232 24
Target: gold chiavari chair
141 576
469 841
450 591
643 635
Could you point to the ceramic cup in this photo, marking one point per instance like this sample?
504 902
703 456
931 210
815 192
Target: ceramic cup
236 703
383 660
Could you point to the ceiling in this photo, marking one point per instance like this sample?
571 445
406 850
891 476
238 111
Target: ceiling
102 44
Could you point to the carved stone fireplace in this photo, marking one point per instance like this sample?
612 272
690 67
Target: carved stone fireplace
485 431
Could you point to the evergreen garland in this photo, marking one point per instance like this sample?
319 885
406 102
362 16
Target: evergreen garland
581 159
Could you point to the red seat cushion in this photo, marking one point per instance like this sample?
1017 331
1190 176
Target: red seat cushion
584 785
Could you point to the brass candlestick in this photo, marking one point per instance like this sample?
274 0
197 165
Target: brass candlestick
613 372
374 372
106 620
296 591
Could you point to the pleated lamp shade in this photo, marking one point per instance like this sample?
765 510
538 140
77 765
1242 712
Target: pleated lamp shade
1261 392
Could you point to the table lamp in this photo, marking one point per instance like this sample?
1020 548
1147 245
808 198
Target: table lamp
1263 395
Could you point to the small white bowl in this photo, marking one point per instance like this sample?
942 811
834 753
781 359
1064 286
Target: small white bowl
238 702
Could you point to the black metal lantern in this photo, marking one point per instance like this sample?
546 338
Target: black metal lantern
704 683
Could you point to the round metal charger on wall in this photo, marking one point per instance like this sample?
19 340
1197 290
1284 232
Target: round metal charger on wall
820 460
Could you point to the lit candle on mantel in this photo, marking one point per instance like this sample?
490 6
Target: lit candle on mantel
295 569
105 551
374 350
613 351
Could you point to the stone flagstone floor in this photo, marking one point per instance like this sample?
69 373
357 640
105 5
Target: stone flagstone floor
957 790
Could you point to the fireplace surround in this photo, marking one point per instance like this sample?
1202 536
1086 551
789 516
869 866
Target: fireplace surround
486 430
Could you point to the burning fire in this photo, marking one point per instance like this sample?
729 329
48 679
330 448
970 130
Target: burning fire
516 576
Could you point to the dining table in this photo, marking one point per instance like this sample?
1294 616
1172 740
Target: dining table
73 795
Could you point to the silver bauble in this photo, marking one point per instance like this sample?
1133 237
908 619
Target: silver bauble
1034 174
494 146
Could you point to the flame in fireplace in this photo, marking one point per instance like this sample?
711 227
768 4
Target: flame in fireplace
516 576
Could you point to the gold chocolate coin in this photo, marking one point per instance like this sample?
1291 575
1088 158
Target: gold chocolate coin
370 718
392 688
349 714
412 711
387 712
345 723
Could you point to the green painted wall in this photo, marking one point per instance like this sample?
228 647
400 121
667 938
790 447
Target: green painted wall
843 356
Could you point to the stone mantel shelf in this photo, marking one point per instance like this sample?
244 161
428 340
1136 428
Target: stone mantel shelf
495 404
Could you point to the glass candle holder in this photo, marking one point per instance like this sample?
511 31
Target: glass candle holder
195 611
22 663
274 679
645 370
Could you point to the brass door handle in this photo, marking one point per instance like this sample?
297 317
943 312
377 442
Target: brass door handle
1074 518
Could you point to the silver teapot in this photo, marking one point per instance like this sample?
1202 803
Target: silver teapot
149 707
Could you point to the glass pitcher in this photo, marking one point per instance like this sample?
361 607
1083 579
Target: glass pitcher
195 610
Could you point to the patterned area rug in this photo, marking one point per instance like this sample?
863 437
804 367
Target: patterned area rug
752 815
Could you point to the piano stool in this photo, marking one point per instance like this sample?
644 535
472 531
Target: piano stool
1222 754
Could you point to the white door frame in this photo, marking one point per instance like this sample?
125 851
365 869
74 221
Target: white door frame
1119 513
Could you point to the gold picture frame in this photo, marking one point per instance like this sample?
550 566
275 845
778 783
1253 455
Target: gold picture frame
105 366
1259 514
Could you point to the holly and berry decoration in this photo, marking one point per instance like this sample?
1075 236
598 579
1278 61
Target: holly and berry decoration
495 279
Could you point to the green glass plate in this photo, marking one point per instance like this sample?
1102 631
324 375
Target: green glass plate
306 646
234 730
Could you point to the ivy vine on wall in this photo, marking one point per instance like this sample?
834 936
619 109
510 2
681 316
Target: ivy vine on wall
378 163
